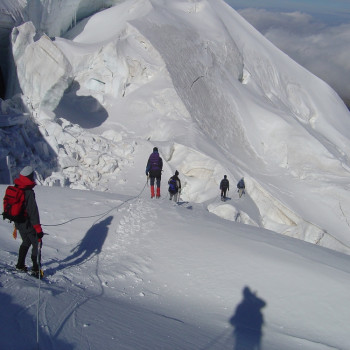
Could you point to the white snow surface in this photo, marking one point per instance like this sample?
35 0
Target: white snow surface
196 80
50 17
131 272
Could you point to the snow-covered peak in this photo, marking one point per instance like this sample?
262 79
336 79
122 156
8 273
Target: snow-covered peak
214 95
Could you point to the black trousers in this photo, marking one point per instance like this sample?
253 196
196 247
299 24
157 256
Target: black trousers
28 239
155 175
223 192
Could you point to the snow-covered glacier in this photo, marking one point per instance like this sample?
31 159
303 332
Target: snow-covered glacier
196 80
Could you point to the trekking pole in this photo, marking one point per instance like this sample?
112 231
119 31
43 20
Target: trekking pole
38 303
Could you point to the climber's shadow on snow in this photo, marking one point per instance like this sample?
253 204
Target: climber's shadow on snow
248 321
89 247
85 111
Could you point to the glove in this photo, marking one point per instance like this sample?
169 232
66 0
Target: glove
40 235
146 173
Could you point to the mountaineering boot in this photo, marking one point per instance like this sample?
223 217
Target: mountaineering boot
21 268
37 274
158 192
152 191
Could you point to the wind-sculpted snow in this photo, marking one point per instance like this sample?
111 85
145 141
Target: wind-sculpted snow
51 17
126 271
131 272
216 97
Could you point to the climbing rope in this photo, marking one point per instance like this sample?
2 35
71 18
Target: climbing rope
101 215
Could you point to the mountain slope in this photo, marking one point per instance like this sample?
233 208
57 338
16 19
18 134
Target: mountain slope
131 272
216 97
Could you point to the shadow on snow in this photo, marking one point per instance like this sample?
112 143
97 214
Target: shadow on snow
248 321
90 246
24 335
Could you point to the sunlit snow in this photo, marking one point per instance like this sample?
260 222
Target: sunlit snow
126 272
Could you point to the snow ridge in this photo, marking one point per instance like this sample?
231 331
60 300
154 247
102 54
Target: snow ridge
218 101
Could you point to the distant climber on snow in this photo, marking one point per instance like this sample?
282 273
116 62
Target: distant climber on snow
154 171
241 187
224 187
174 187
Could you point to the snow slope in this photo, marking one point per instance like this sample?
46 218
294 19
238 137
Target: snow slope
198 81
124 271
216 97
129 272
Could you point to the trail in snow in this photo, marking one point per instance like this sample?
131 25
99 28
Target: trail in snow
125 229
152 267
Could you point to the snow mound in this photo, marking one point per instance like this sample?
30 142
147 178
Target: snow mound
215 96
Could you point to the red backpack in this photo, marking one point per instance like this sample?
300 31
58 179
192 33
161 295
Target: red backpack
14 204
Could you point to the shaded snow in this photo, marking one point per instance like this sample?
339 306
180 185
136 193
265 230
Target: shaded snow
135 273
198 82
220 98
221 94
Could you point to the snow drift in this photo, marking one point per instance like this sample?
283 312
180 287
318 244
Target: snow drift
124 271
129 272
213 94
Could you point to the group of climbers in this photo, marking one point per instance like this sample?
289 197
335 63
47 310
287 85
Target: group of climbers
20 206
225 186
154 169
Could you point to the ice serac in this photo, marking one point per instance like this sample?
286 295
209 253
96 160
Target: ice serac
51 17
43 71
244 108
55 17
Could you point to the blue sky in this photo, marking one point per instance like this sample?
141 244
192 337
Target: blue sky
328 10
315 33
